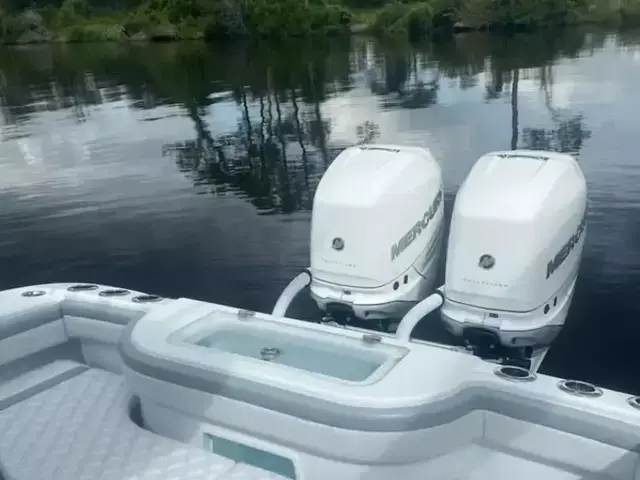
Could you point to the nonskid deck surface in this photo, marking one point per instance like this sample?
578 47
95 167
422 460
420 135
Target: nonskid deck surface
79 427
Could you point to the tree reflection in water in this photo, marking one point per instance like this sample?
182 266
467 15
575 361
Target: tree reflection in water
568 132
283 139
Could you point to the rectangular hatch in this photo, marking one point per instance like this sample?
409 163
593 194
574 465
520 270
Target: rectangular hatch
332 355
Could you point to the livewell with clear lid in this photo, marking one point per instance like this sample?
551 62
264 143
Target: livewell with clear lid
352 359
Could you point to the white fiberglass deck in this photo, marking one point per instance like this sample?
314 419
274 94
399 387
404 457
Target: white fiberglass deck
93 388
80 429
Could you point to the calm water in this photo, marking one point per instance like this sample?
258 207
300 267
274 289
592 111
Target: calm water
185 170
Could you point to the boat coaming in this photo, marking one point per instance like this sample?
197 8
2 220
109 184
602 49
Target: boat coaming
420 411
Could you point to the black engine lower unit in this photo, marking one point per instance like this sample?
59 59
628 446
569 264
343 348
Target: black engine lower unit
486 345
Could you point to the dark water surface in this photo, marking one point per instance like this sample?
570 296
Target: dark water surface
188 170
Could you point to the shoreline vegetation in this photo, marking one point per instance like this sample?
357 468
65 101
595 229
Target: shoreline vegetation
23 23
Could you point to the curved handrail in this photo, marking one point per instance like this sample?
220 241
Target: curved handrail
295 286
417 313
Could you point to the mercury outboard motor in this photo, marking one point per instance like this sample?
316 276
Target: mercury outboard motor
515 244
376 231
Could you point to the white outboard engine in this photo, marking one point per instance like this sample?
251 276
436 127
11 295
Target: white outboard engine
376 232
517 233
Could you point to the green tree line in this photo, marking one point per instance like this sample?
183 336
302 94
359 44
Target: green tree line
33 21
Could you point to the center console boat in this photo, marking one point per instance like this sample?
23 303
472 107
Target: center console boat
106 383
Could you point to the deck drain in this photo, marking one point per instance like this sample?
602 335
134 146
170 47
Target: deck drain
579 388
270 353
514 373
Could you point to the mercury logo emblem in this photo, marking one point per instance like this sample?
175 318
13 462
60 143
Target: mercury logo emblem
487 262
337 244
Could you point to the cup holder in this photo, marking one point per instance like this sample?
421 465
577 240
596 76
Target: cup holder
82 287
515 374
147 298
634 402
579 389
114 292
33 293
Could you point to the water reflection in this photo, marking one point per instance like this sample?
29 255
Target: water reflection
280 142
144 166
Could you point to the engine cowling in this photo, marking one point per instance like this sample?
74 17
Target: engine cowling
376 231
515 244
